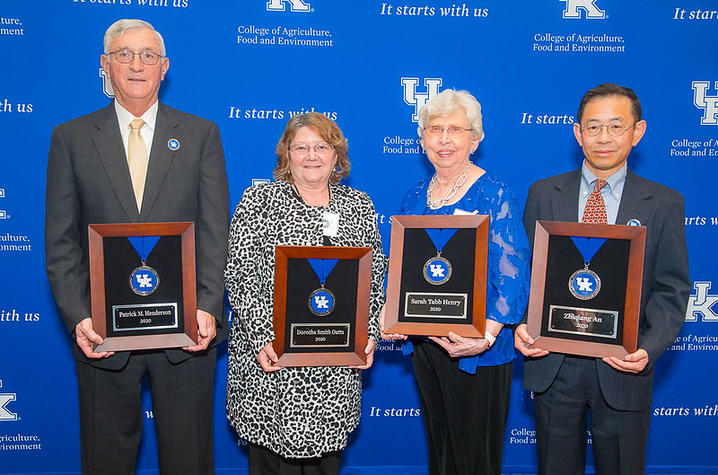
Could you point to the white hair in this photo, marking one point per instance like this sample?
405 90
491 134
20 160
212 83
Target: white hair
119 27
446 103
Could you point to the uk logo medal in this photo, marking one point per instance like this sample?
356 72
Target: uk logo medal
322 301
437 270
585 284
144 280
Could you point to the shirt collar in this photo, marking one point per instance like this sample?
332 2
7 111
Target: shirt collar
125 117
615 181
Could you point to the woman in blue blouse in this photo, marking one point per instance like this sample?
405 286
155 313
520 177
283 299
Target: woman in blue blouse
465 383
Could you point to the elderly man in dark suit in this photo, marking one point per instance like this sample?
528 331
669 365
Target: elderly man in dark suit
617 392
137 161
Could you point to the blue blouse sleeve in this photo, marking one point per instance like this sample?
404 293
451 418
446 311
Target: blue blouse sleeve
509 258
415 200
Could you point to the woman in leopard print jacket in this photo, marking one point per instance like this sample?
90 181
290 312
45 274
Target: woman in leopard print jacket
296 419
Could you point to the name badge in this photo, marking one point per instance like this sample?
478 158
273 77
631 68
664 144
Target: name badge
462 212
330 224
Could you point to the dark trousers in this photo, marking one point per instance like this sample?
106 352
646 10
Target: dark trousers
111 415
263 461
464 414
618 437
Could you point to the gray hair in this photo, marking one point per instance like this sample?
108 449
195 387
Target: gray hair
119 27
446 103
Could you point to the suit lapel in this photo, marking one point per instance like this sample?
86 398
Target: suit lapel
565 200
632 204
160 158
108 143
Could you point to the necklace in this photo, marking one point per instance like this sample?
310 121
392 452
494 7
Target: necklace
313 203
436 204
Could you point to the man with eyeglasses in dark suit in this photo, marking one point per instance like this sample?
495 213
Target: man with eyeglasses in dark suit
135 161
616 391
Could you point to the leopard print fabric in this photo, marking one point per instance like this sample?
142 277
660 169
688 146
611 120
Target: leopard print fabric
296 412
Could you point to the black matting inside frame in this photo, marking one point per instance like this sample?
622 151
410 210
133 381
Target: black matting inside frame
121 259
459 251
342 281
611 265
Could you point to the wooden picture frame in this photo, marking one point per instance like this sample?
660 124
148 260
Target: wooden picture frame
586 342
300 336
470 289
183 331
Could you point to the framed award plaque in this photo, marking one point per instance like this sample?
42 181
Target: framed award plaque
321 305
437 275
142 285
586 288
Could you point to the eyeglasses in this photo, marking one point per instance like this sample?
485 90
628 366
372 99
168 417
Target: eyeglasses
616 129
319 148
451 131
126 56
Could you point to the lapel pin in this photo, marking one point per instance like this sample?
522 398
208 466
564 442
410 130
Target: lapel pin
633 222
173 144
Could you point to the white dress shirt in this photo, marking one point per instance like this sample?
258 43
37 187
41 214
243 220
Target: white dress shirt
124 117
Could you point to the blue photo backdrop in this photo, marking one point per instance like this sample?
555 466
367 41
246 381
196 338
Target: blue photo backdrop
249 65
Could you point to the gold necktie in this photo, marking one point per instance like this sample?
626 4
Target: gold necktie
137 160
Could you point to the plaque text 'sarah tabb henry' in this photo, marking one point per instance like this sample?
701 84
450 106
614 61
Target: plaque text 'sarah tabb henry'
437 275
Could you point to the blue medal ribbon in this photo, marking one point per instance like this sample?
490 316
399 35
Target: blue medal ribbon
588 247
323 267
440 236
143 245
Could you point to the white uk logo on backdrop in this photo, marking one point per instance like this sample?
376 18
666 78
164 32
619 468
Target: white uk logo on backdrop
709 104
106 85
3 215
417 99
6 415
702 304
294 5
575 7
